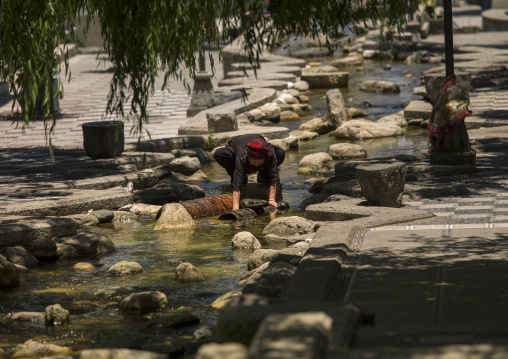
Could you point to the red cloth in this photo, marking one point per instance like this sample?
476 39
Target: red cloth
449 110
257 149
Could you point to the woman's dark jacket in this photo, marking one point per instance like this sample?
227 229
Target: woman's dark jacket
268 170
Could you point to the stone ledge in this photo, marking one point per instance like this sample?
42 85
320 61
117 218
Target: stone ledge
19 230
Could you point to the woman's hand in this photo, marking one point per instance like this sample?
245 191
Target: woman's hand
271 202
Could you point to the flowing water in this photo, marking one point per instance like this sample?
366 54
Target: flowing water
96 320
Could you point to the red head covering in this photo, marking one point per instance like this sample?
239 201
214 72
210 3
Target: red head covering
257 149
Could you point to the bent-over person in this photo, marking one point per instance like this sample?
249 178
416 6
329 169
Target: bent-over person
246 154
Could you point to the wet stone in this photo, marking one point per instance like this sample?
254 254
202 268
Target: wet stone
245 240
186 272
145 302
125 268
103 215
9 276
43 249
33 349
83 266
65 251
20 256
56 314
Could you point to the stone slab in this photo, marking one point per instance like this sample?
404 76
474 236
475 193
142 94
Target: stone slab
20 230
326 80
68 201
418 109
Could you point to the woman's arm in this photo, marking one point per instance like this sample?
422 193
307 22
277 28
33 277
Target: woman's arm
236 200
272 196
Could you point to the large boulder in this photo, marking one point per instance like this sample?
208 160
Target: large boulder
380 86
382 183
259 257
20 256
315 163
362 129
336 107
88 243
186 272
245 240
65 251
287 227
144 302
174 216
341 151
43 249
186 165
125 268
9 276
167 192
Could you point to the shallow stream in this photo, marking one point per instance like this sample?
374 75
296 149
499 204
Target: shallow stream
96 320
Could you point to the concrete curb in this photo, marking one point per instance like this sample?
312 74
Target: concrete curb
315 277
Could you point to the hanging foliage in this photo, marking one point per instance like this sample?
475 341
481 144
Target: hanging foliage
142 38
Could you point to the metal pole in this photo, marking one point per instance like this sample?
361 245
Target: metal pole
448 33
